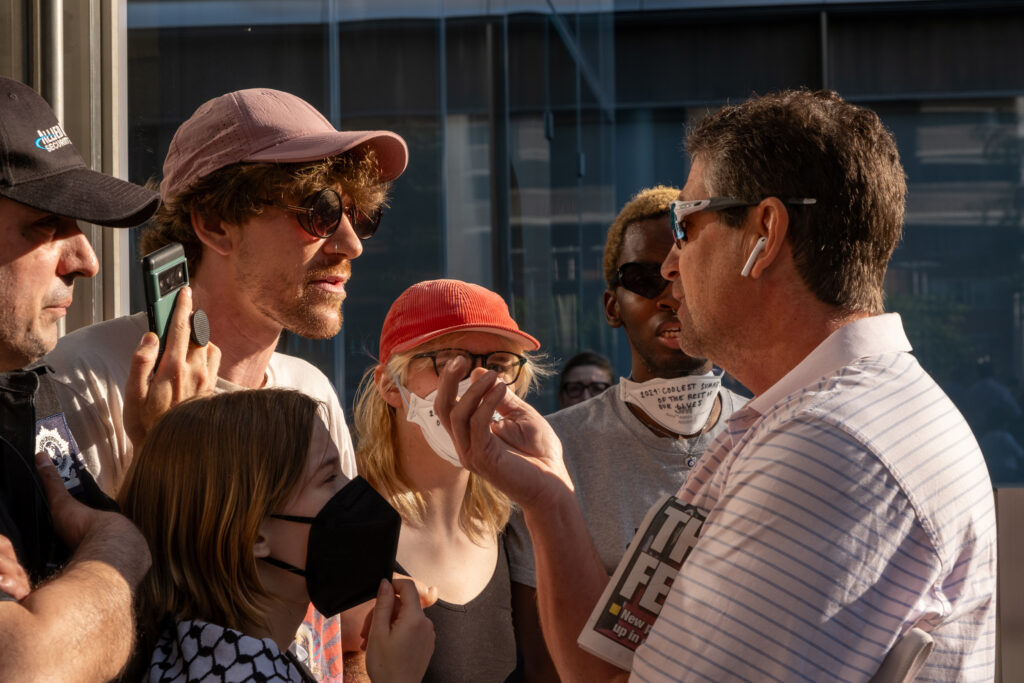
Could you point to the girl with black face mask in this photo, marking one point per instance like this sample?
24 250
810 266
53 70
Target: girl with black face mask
248 517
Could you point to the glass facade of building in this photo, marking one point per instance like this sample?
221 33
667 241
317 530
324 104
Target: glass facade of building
530 123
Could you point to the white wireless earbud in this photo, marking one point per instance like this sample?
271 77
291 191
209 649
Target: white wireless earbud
758 248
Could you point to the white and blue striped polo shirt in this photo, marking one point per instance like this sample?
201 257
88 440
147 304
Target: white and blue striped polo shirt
846 504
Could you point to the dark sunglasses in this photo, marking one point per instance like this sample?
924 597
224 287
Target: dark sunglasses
641 277
576 389
321 212
679 210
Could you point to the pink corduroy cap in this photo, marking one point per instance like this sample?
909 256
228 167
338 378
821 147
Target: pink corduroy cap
432 308
261 124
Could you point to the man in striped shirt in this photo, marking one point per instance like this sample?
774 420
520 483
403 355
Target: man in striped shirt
848 501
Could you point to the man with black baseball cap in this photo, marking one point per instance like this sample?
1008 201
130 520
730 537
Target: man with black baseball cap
97 555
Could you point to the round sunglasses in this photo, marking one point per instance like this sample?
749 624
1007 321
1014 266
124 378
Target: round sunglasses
641 277
320 215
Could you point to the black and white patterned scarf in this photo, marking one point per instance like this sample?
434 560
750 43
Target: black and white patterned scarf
195 651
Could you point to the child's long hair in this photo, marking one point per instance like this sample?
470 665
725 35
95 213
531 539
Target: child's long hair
207 475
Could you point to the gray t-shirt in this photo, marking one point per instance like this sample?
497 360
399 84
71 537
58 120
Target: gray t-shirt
620 468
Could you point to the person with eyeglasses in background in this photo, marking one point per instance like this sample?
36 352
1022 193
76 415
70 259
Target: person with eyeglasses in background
452 521
584 376
271 204
630 445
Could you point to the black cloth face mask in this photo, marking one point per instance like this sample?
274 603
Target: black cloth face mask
352 546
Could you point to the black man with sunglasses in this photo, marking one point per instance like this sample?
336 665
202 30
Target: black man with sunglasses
636 441
271 204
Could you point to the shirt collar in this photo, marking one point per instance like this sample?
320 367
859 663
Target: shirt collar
862 338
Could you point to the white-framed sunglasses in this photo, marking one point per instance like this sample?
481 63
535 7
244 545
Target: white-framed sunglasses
679 210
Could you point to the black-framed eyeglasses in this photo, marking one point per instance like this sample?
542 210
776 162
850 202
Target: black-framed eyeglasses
320 215
679 210
640 277
576 389
506 364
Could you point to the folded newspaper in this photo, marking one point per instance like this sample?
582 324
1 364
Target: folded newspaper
632 601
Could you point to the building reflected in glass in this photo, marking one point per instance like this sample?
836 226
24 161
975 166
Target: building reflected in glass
530 123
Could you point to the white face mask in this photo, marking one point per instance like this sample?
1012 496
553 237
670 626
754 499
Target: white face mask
421 413
681 405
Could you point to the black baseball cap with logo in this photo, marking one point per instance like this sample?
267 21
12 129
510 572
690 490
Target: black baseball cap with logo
40 167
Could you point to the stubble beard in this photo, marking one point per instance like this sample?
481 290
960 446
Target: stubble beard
21 347
690 345
22 342
314 316
310 312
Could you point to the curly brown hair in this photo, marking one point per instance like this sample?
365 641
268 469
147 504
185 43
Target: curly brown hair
799 143
238 192
648 203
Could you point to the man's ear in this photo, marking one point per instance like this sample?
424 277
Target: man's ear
261 548
611 309
386 386
773 225
215 234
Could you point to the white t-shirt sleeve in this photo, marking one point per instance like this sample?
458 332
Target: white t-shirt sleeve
289 372
339 432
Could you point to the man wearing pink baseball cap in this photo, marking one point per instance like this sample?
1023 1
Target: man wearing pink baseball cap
271 204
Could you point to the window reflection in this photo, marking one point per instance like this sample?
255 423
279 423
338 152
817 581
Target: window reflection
956 276
530 123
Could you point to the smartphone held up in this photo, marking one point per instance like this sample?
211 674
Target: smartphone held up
164 273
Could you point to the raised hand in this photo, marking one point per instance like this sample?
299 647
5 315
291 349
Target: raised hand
401 637
520 454
185 370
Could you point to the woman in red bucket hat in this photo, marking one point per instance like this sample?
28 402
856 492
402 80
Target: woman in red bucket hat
452 520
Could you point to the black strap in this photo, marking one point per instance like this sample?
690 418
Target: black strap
295 518
280 564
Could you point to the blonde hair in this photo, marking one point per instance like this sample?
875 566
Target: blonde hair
485 510
649 203
204 480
